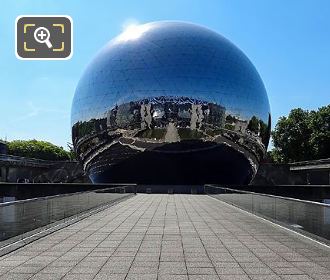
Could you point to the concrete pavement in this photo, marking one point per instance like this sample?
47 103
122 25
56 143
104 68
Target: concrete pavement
169 237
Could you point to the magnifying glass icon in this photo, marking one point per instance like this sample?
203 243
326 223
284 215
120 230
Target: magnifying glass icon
42 35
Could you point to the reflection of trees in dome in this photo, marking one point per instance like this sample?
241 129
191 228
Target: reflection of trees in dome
265 131
80 129
235 123
187 133
260 128
156 133
253 125
231 119
229 126
189 118
86 128
149 118
157 111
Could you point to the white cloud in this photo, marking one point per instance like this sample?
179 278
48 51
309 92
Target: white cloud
36 111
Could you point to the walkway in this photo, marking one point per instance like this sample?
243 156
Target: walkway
169 237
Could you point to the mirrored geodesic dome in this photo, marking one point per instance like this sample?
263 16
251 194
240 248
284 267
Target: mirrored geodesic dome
170 103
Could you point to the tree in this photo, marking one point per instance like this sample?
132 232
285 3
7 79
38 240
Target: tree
72 153
253 125
320 137
37 149
303 135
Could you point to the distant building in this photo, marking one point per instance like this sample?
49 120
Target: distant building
314 172
241 126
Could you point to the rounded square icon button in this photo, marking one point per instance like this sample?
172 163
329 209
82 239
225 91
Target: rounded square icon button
43 37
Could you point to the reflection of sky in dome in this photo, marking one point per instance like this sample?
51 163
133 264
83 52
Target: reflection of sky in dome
170 59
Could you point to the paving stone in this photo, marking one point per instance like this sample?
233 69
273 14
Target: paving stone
203 277
234 277
287 270
59 270
84 270
279 264
16 276
172 270
199 264
200 270
26 269
297 277
226 264
320 276
265 277
79 276
143 270
4 263
169 237
145 264
47 276
109 276
114 270
172 277
149 276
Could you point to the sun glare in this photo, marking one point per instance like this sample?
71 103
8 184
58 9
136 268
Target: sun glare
132 32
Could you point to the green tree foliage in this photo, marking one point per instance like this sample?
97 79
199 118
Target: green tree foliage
253 125
320 137
303 135
264 132
231 119
37 149
71 153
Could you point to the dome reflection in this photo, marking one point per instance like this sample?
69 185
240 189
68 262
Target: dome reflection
170 102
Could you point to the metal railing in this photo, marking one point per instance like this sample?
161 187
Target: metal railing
307 217
19 218
25 161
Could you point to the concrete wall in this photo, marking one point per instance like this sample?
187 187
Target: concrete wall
3 174
280 174
276 174
62 172
69 172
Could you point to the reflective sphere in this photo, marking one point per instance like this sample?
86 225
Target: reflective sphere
170 103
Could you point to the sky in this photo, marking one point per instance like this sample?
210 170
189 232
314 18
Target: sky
287 41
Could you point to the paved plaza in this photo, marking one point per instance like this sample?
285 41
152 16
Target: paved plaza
169 237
